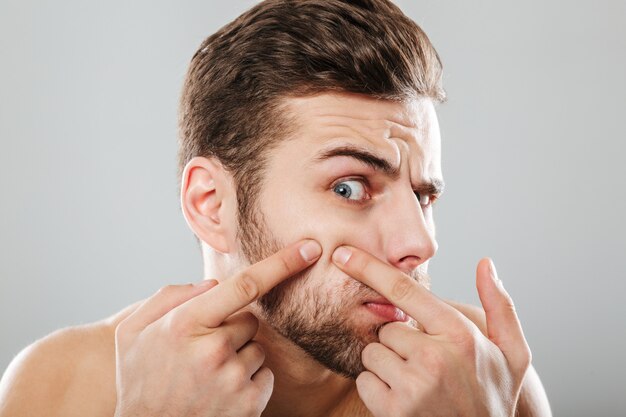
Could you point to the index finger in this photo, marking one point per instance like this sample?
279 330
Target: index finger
399 289
212 308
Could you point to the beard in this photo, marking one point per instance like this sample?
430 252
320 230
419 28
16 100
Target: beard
303 313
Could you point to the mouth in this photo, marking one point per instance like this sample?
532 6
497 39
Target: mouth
383 309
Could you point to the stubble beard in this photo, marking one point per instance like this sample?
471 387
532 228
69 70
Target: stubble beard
302 314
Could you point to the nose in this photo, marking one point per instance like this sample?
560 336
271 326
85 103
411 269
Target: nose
410 237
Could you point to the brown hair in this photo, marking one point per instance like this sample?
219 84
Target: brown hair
231 105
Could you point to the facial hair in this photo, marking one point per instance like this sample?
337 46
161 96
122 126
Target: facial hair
302 313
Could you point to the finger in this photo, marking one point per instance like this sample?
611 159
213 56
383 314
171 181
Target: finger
264 377
400 338
239 328
503 326
242 289
263 381
163 301
472 312
384 363
252 356
399 289
373 392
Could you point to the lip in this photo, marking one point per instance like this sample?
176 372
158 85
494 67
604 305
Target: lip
382 308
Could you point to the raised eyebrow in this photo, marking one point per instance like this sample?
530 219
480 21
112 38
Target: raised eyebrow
362 155
434 186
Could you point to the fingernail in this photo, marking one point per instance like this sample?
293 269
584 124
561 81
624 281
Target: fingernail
341 255
494 274
206 283
310 250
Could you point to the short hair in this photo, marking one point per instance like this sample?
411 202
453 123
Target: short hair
231 105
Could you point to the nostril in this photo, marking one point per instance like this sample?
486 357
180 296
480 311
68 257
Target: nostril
409 263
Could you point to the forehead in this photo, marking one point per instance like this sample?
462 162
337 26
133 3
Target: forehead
405 133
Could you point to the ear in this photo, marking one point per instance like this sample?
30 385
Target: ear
207 198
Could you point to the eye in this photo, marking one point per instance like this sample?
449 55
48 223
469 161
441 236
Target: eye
424 199
351 190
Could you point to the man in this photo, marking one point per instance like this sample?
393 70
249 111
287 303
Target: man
309 163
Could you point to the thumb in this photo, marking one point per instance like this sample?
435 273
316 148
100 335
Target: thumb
503 326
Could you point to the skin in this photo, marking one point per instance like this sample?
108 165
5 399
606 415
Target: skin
181 331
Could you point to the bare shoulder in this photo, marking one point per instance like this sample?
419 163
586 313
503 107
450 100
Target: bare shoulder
70 372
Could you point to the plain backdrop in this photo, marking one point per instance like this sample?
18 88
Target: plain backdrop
533 149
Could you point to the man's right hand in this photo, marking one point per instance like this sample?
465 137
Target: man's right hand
188 351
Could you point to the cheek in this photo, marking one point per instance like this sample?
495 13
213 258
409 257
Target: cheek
300 214
298 217
326 280
330 226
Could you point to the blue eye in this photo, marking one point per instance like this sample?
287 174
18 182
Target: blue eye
351 190
423 199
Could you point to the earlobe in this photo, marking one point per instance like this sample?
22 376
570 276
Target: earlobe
203 193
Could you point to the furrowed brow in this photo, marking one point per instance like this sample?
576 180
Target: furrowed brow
362 155
434 186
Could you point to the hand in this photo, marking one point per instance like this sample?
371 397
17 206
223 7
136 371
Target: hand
533 400
450 368
187 351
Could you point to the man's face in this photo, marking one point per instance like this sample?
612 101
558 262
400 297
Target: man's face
323 183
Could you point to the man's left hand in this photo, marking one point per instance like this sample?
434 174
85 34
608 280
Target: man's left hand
450 367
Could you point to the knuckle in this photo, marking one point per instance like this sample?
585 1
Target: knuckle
269 381
254 322
122 333
239 376
248 317
402 288
167 291
465 336
263 386
257 350
372 353
177 325
219 352
509 304
527 358
245 321
247 287
388 330
461 327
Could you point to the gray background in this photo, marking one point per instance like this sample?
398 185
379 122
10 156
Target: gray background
532 139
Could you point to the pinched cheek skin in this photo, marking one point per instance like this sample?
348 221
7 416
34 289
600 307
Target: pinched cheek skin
333 229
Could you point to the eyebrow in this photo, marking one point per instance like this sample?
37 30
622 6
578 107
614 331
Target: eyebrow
433 186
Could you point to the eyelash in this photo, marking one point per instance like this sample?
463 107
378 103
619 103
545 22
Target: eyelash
432 198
